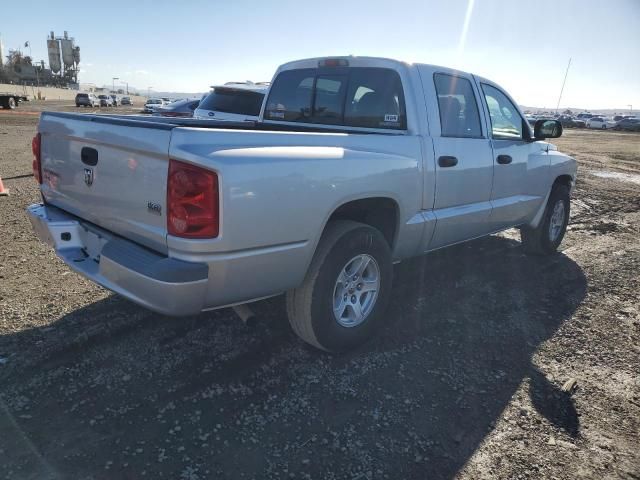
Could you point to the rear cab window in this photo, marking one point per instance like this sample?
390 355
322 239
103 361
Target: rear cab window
366 97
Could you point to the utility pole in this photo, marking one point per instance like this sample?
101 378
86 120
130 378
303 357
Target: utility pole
630 108
113 84
563 82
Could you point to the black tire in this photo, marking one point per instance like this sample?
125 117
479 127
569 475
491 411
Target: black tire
11 103
310 306
539 241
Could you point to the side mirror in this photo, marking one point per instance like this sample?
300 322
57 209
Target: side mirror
547 129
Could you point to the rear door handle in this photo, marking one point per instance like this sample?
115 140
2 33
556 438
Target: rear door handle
447 161
504 159
89 156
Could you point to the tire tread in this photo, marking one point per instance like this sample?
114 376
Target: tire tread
298 301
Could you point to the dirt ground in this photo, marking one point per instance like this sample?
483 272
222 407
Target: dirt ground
465 382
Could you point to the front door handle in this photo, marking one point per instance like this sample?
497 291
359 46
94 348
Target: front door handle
504 159
447 161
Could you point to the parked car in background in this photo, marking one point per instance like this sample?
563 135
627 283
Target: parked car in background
584 116
354 164
531 119
600 123
105 100
239 102
116 100
151 105
579 123
179 108
628 124
126 101
87 100
567 121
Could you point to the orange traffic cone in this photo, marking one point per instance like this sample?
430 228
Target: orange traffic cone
3 191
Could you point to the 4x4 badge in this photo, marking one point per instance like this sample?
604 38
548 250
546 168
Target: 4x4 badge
88 177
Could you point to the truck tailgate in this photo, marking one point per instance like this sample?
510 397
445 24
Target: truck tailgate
109 171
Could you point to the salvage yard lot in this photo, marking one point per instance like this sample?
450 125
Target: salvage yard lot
465 381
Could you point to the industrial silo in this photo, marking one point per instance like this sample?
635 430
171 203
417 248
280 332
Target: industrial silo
53 47
67 51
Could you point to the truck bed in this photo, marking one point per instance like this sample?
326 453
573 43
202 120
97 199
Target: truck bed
168 123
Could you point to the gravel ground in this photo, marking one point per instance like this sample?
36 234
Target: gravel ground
465 382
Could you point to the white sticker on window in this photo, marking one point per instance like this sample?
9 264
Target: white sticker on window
276 114
390 118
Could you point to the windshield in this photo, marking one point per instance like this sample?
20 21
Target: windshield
228 100
154 101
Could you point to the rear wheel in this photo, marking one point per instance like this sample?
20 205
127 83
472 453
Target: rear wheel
11 103
547 236
342 300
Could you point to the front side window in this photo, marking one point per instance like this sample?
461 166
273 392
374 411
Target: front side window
354 97
458 108
506 122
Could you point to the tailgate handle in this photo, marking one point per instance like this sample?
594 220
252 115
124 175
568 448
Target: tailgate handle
89 156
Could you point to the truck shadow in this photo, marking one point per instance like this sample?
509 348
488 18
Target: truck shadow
112 382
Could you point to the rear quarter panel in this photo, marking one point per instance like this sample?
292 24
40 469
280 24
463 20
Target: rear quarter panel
278 189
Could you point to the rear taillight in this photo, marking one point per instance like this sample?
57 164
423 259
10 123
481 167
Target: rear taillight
36 164
192 201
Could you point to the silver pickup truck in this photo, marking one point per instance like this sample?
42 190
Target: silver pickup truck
354 164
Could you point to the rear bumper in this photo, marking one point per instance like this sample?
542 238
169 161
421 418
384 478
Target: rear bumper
155 281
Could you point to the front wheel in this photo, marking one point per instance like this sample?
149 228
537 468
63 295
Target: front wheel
547 236
342 301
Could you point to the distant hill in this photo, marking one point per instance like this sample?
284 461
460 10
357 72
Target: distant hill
576 110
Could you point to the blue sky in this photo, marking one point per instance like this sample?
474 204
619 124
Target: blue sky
188 45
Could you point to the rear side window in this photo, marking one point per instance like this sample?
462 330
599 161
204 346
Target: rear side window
354 97
458 108
227 100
